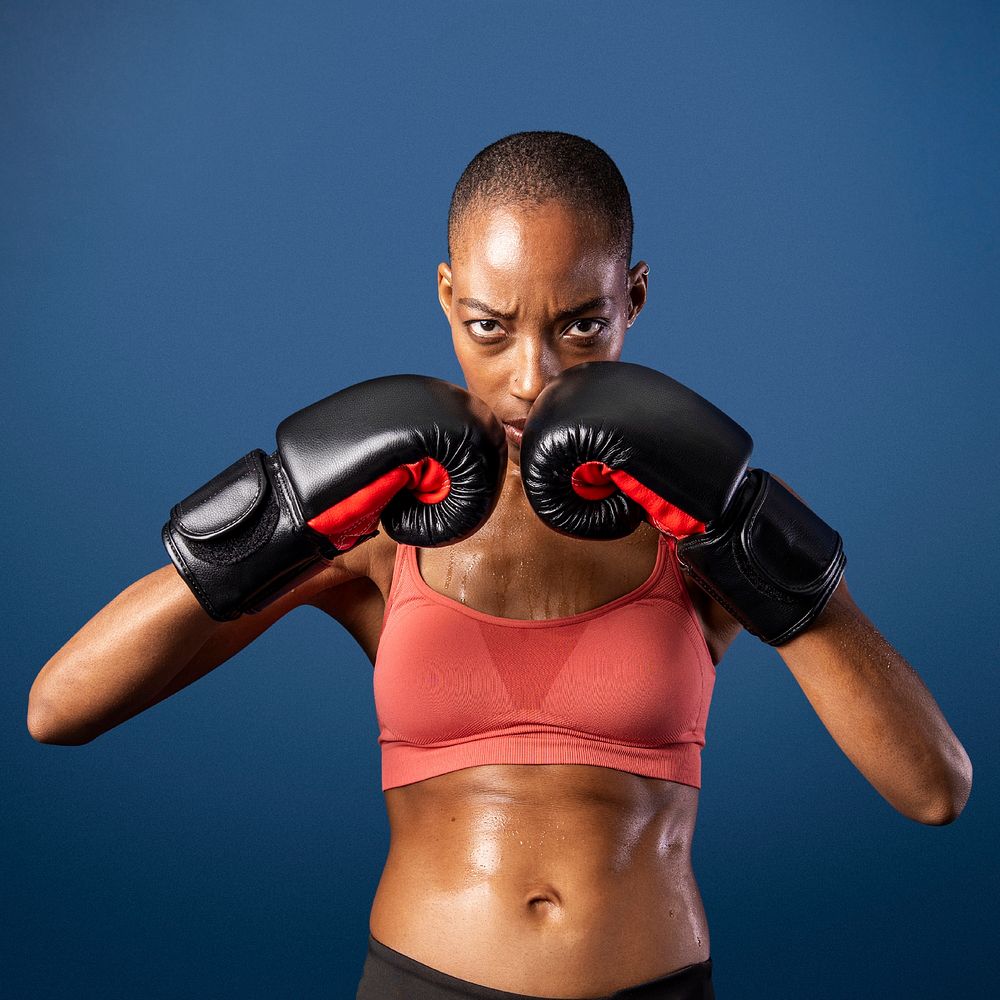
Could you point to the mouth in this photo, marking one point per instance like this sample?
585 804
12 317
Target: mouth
514 430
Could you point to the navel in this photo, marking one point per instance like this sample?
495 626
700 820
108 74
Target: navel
543 900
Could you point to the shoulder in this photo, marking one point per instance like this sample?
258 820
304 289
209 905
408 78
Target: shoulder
368 561
720 628
381 561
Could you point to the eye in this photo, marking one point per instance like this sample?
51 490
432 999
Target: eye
589 331
477 327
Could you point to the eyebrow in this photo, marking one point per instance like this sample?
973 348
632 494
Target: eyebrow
601 301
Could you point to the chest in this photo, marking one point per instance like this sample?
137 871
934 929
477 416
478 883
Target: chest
626 663
533 583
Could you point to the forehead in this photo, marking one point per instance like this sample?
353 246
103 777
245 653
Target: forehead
546 244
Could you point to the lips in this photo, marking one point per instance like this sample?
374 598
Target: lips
514 429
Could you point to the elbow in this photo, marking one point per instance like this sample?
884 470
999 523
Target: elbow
44 731
947 811
950 802
45 725
56 738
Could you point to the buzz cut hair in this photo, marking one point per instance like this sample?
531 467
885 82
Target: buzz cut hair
530 168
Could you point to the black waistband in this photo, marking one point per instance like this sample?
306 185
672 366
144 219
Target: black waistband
417 981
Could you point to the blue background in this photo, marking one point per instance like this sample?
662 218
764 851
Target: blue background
215 213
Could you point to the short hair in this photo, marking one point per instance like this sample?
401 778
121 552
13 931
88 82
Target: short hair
529 168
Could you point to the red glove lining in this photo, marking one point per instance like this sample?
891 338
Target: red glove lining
595 481
358 514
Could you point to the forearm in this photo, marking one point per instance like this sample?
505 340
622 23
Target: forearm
880 713
119 660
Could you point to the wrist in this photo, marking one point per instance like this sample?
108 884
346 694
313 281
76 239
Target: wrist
769 560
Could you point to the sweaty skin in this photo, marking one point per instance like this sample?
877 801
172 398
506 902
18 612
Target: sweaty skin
550 880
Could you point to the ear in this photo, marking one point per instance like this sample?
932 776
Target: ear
637 290
444 288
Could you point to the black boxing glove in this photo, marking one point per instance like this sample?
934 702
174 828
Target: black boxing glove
422 454
608 444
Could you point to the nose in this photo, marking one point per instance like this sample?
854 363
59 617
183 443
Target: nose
535 365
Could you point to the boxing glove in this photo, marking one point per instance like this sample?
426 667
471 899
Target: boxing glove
608 444
422 455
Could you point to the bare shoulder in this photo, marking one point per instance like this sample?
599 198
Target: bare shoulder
381 561
353 565
353 592
371 561
719 626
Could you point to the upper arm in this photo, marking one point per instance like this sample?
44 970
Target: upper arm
236 635
229 638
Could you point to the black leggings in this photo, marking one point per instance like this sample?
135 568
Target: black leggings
391 975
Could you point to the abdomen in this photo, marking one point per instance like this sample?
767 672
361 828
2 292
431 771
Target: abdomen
559 880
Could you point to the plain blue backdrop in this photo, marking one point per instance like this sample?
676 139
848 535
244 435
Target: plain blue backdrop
215 213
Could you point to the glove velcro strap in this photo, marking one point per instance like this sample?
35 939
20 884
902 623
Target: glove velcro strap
236 540
769 560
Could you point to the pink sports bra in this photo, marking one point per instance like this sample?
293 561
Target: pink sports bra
625 685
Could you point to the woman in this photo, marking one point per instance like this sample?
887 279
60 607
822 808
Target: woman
520 868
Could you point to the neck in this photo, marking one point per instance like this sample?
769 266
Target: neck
513 516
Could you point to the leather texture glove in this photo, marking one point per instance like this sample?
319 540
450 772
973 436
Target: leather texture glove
608 444
421 454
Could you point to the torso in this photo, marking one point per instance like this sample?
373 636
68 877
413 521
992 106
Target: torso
551 880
